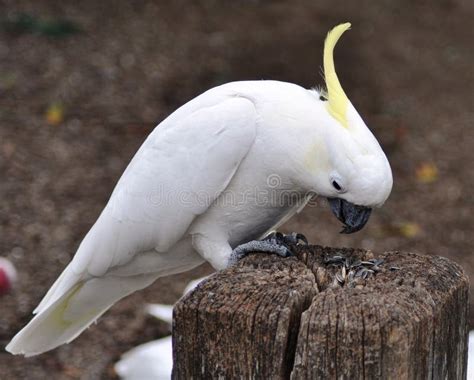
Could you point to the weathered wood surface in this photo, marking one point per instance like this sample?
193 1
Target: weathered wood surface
274 318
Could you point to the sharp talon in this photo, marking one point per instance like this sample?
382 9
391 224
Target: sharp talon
290 239
302 238
272 236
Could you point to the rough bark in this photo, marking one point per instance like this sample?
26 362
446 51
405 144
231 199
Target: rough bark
307 318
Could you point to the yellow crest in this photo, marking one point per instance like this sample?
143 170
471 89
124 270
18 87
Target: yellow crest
337 99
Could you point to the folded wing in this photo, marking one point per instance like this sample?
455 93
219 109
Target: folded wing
182 167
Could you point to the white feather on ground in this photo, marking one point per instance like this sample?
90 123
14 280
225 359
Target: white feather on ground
161 312
193 284
152 360
470 356
165 312
149 361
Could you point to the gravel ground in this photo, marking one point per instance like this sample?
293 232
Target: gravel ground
74 109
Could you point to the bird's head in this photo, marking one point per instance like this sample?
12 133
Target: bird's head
356 175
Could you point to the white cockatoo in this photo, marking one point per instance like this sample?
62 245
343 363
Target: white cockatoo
226 168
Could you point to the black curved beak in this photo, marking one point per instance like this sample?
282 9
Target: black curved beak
354 217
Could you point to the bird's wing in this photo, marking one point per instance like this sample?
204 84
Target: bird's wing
182 167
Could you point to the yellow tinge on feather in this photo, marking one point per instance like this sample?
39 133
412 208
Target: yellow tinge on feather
337 99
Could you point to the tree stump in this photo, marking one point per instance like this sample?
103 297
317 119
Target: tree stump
326 313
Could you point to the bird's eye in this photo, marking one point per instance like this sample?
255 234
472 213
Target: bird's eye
336 186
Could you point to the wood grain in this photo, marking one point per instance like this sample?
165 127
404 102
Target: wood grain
275 318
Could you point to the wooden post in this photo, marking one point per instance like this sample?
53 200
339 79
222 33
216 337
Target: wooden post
326 314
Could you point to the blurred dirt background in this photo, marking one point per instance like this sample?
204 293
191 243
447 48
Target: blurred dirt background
83 83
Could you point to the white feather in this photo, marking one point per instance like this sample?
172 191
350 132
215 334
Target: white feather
149 361
161 311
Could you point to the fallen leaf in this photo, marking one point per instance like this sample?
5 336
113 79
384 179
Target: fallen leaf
55 114
410 229
427 172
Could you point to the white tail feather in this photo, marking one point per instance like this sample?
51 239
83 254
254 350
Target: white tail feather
71 313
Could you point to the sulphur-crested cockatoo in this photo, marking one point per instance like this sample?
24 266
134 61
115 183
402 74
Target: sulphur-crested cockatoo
225 168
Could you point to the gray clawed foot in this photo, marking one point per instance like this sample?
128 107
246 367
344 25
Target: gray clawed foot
275 242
